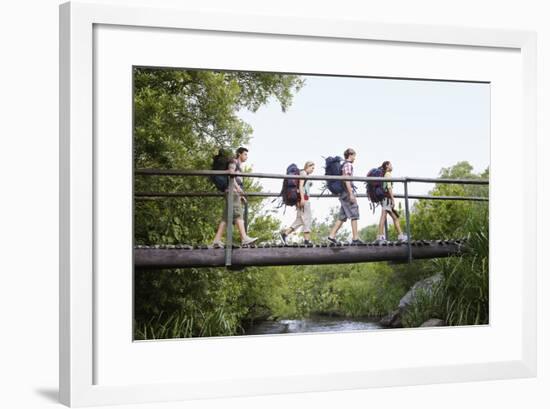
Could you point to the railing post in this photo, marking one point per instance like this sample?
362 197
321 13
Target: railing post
407 219
229 227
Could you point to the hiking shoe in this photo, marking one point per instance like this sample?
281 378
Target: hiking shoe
357 242
218 244
248 240
283 236
307 242
331 240
402 238
380 240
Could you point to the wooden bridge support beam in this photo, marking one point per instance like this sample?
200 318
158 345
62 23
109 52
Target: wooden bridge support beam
152 258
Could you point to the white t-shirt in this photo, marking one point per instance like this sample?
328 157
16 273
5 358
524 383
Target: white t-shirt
307 183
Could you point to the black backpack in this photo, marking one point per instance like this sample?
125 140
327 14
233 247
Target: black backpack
220 162
289 192
333 167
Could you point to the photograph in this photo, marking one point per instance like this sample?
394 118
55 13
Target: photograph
269 203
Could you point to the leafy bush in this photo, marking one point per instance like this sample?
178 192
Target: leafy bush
467 277
463 296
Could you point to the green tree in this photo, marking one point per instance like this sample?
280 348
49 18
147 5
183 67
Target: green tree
181 119
463 297
444 219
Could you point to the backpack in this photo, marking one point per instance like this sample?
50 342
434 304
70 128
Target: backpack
375 190
289 192
220 162
333 167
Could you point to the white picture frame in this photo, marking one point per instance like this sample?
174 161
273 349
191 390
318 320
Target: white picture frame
79 290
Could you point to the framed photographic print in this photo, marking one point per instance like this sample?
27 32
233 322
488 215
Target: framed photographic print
255 204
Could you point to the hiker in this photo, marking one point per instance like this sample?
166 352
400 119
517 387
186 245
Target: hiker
303 207
349 209
234 165
388 207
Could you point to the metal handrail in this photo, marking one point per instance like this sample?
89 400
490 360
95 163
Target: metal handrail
152 195
230 192
183 172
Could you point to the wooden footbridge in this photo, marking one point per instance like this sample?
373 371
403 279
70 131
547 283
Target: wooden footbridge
176 256
270 254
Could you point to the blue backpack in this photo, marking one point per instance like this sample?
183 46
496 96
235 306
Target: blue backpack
333 167
289 191
375 190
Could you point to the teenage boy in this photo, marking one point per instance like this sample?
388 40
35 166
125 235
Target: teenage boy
349 209
238 198
303 207
388 207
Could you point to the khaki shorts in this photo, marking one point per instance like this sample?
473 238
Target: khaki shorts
237 208
348 210
386 204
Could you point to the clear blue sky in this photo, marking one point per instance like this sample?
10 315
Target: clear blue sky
421 126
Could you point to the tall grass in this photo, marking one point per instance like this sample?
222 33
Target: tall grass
463 296
181 325
466 285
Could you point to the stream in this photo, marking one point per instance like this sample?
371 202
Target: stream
311 324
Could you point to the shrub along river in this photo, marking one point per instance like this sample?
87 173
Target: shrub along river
311 324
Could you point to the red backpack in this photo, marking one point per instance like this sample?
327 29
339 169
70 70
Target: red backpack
289 191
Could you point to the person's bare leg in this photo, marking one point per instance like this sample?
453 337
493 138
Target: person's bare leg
240 226
307 235
381 223
396 223
354 233
219 233
335 229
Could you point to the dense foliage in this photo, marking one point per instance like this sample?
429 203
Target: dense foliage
463 296
182 118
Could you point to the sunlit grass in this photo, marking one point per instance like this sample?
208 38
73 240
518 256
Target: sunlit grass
463 296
